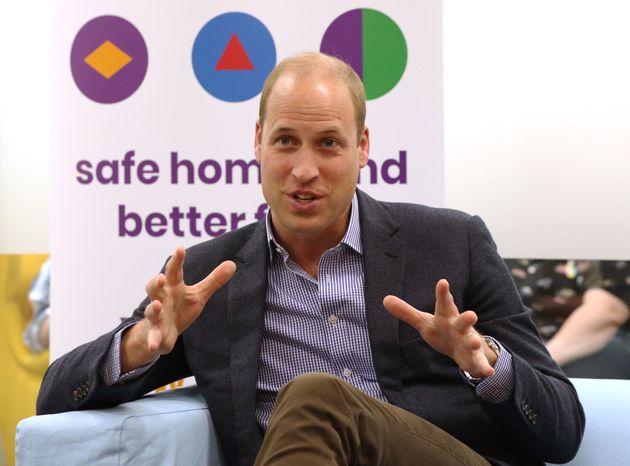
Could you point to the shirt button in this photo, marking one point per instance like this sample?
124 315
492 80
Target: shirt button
333 319
347 372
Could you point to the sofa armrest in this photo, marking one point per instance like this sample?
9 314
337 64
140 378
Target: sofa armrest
173 427
607 435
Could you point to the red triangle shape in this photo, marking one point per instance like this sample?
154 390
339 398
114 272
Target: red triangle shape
234 57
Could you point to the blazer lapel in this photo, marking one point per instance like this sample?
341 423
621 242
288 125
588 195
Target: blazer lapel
246 306
384 259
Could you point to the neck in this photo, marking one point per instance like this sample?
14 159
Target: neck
307 252
306 247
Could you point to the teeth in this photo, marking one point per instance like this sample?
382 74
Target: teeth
304 197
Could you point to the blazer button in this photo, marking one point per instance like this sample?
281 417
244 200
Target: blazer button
75 395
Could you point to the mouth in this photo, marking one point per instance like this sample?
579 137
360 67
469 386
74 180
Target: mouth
302 197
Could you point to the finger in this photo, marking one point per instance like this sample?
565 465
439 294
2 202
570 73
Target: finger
465 322
152 311
152 315
406 312
174 270
155 286
444 303
483 367
216 279
472 341
154 338
479 364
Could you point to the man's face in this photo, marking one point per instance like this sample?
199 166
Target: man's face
310 157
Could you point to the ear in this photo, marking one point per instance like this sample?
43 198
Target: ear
258 141
364 147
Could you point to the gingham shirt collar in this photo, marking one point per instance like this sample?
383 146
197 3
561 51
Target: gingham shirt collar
352 237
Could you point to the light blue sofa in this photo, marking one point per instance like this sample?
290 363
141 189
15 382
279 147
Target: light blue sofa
175 428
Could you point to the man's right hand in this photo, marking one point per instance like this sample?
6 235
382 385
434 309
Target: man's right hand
173 307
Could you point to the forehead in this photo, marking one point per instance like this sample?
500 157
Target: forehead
310 98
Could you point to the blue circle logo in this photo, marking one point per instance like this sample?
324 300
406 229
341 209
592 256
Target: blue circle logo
232 56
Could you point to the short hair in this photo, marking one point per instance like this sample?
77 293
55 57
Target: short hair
305 64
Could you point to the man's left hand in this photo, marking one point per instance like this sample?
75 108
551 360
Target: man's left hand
448 331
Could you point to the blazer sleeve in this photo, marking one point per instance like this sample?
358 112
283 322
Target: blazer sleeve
543 416
73 382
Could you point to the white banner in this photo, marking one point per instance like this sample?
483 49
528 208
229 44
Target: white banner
154 106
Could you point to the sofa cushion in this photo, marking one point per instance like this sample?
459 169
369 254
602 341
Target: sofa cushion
607 435
176 430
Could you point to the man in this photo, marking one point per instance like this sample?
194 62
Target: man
317 288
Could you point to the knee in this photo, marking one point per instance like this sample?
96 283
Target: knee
311 386
609 308
312 392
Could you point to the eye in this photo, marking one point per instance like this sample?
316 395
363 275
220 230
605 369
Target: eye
284 141
329 143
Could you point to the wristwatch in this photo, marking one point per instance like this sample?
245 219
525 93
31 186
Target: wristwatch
494 346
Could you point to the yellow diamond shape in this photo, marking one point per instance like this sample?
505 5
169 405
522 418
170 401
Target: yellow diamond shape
107 59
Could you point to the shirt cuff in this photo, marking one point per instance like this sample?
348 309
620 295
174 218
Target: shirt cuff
498 387
110 368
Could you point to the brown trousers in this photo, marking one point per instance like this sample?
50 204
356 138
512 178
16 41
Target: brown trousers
321 420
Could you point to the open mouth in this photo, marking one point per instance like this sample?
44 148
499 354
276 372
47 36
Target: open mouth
304 198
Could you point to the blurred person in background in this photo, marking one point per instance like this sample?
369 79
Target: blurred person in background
582 309
37 332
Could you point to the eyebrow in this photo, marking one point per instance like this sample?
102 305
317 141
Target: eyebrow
333 130
283 129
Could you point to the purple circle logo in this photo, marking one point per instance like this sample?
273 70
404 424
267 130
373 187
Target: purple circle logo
109 59
373 44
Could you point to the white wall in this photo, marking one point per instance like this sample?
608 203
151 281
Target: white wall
24 127
537 122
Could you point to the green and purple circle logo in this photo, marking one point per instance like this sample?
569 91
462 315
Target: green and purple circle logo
373 44
109 59
232 56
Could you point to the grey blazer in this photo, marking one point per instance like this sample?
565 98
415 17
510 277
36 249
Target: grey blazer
407 249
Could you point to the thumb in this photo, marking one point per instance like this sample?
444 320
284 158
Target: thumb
216 279
406 312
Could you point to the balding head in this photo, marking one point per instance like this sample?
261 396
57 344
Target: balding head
315 63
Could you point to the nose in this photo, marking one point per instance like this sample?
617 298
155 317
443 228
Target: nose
305 167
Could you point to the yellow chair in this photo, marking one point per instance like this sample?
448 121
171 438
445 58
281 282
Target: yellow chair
22 370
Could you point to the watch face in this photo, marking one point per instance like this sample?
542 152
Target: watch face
474 381
493 345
